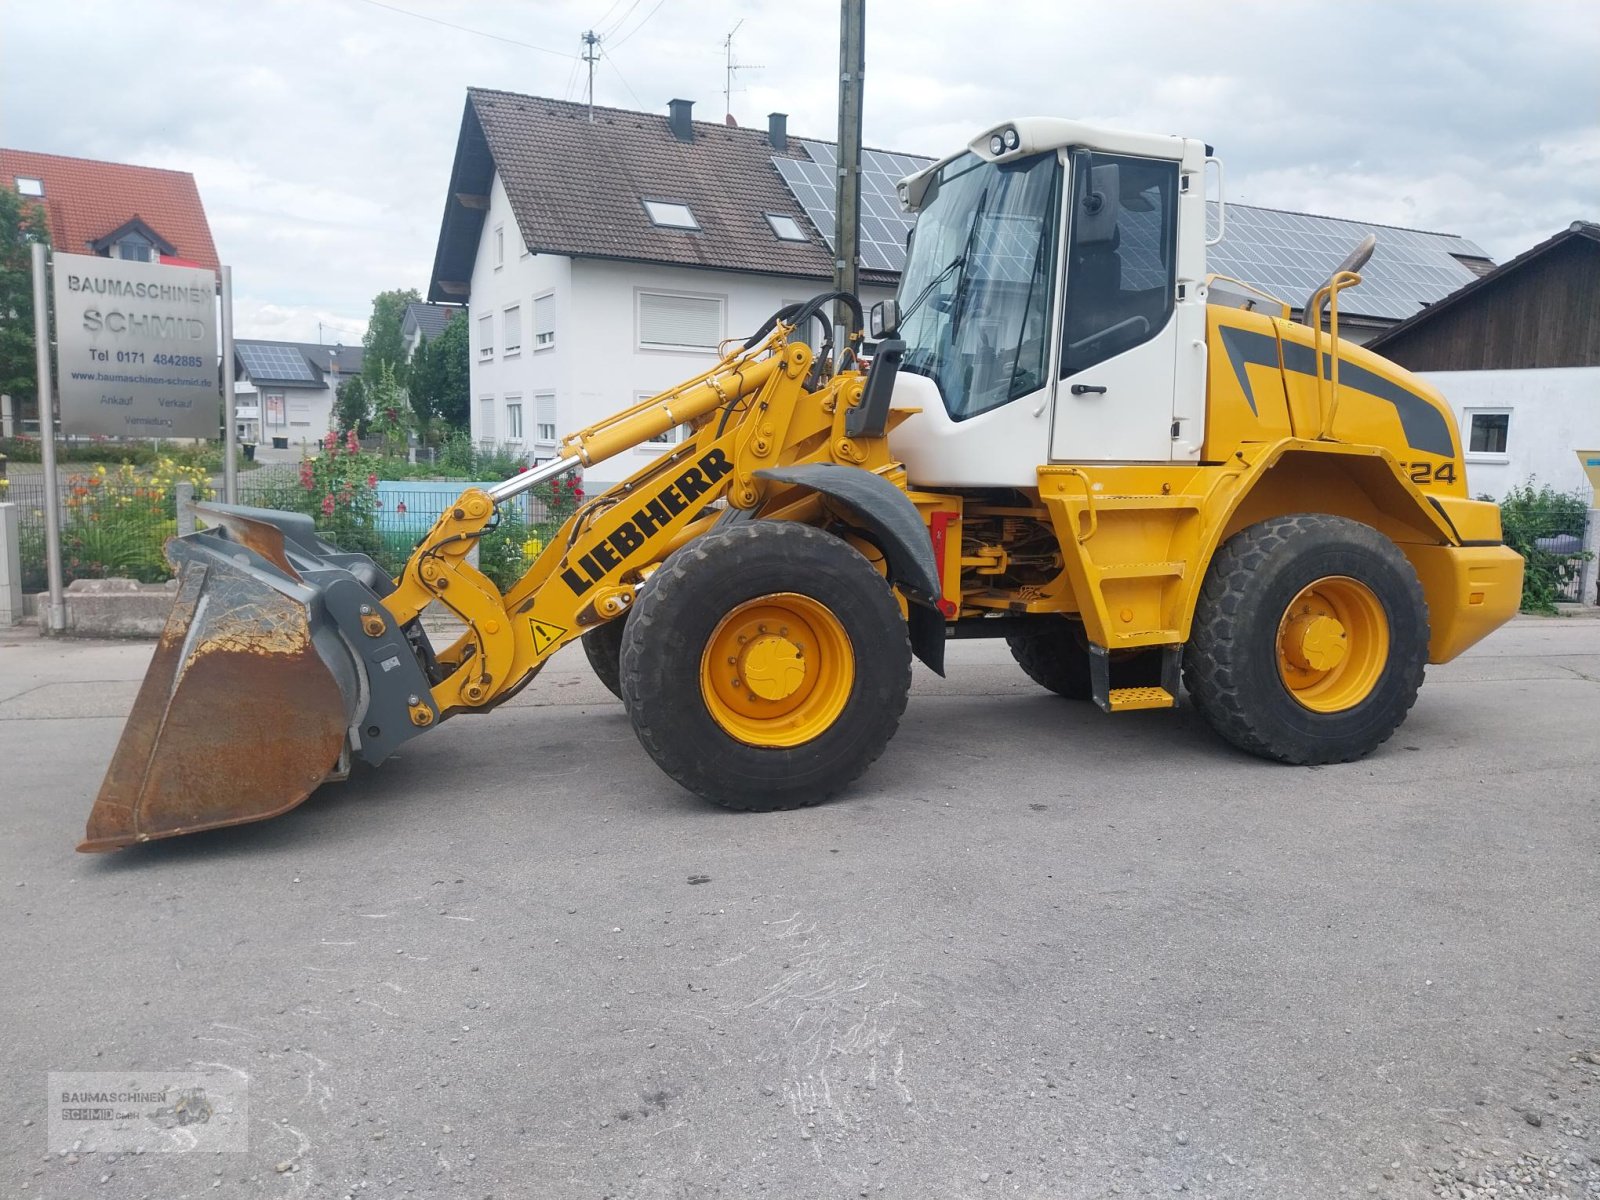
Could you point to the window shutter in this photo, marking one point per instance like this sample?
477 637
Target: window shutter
681 322
544 321
486 419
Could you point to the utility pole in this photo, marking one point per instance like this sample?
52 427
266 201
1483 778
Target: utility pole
847 205
591 52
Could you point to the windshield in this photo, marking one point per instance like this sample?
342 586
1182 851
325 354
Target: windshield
975 294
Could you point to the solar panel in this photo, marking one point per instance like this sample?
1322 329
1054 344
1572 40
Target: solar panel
1292 254
275 362
1288 254
884 224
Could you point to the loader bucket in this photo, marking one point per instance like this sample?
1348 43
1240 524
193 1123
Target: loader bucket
254 687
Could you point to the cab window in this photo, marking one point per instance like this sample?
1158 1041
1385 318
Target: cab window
1121 265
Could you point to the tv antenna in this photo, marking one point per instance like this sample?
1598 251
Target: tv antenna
729 67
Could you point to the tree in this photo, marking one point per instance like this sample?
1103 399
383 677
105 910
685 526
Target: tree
384 343
441 377
422 374
351 409
21 224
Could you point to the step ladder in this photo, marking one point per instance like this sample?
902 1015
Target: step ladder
1135 699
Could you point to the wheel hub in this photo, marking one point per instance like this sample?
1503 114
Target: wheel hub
1315 642
1333 644
773 667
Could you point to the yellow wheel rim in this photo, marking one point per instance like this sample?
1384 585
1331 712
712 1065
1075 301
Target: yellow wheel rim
777 670
1333 644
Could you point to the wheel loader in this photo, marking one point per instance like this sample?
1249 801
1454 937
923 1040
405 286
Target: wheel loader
1148 480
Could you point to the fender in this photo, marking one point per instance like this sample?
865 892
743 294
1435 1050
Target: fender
882 508
888 514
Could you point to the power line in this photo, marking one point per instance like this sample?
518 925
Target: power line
620 76
618 23
641 24
406 12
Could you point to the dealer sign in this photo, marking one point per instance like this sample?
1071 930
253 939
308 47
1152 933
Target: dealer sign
136 347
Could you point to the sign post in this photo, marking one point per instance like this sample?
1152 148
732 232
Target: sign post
230 424
57 616
136 345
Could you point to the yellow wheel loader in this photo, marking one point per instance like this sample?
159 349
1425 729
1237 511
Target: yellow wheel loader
1145 478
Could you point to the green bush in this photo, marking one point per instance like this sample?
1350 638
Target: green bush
1529 514
205 455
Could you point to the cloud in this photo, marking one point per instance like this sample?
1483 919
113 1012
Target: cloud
321 133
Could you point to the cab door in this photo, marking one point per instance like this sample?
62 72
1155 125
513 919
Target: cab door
1119 332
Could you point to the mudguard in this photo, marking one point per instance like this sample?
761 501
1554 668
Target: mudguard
888 514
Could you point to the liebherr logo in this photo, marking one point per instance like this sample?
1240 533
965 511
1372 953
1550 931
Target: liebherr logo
613 550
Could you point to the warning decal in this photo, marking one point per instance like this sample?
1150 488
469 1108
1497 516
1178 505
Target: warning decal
545 635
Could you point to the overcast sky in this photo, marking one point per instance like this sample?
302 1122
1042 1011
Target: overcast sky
321 131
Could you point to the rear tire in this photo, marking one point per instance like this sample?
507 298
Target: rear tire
1056 657
603 647
1310 640
808 623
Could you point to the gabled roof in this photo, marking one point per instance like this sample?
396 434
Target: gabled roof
429 318
578 189
134 224
1475 288
85 200
293 364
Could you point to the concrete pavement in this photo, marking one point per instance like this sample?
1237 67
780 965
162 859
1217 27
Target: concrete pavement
1039 952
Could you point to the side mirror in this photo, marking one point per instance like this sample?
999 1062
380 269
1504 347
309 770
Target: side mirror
884 320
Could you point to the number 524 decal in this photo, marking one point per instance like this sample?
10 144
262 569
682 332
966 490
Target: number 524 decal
1423 472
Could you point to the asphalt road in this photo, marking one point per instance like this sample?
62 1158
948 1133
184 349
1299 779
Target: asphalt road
1039 952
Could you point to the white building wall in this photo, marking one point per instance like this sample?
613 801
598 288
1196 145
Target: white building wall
1554 412
596 366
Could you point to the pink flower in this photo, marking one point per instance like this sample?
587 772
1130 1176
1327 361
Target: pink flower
401 507
305 475
331 441
352 443
327 506
372 481
577 492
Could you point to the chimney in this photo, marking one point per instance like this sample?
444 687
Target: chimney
680 120
778 130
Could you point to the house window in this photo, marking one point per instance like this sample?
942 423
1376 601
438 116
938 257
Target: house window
513 329
499 246
133 248
486 418
1487 432
29 187
513 418
787 229
670 438
300 412
274 406
544 322
670 215
671 321
486 336
544 418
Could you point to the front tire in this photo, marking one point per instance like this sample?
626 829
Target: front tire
1310 640
766 667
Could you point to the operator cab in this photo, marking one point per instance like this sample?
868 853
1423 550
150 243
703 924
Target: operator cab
1052 304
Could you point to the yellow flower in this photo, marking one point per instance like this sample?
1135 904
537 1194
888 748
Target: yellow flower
532 548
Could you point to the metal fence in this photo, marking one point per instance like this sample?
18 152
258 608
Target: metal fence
1560 554
117 528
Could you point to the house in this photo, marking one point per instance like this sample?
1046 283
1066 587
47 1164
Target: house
115 210
605 258
1517 353
424 322
284 391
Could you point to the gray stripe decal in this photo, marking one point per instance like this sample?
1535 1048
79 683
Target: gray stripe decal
1424 425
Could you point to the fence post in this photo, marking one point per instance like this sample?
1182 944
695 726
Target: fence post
183 494
1589 575
10 565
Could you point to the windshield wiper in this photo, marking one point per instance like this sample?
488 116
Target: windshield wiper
966 252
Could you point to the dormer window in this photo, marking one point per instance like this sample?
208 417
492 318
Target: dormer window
27 186
670 215
786 228
133 248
